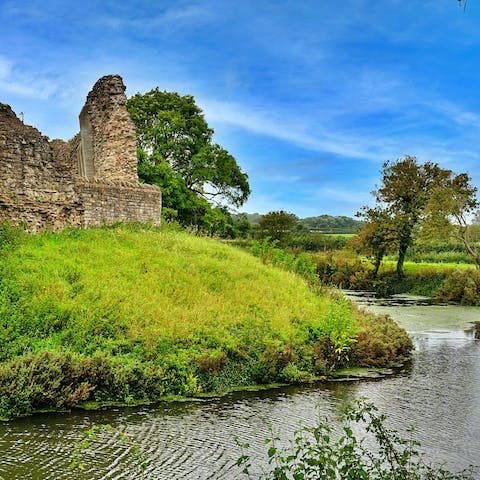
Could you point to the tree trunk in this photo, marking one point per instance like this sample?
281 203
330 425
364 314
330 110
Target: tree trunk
402 251
378 261
472 253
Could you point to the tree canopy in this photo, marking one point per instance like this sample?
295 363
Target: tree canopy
177 153
449 213
377 237
278 225
414 195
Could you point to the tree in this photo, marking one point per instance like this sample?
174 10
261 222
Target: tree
449 213
176 152
404 193
278 225
377 236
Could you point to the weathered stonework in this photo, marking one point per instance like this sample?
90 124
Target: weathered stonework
90 180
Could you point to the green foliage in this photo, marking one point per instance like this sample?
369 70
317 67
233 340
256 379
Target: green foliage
94 440
10 235
177 154
132 313
377 236
315 242
270 254
448 213
379 341
278 225
344 270
436 251
319 452
403 196
461 286
45 381
329 224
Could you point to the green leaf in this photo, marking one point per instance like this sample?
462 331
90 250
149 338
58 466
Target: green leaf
271 452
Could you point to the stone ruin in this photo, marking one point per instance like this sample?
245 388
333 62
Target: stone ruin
89 181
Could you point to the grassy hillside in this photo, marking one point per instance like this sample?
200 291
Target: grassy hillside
132 314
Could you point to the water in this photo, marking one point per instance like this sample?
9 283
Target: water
439 393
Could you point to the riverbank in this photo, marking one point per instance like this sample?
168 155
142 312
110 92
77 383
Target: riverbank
131 315
437 394
442 282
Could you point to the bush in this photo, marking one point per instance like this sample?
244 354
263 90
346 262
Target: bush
380 341
316 242
319 453
343 270
53 381
461 286
267 250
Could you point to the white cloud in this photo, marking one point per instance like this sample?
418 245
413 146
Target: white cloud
16 82
5 67
350 197
171 18
292 132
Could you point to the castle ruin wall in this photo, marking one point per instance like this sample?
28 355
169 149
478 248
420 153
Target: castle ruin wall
90 180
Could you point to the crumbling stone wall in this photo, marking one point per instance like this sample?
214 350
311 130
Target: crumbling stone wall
88 181
108 141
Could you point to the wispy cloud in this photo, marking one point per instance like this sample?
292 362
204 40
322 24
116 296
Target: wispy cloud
293 132
376 144
336 194
172 18
5 68
23 84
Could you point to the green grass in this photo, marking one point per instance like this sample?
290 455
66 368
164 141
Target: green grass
131 314
340 235
412 267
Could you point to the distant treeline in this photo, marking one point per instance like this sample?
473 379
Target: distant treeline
319 224
330 224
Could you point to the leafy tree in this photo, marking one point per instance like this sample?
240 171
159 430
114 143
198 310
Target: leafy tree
449 211
377 237
278 225
176 152
404 193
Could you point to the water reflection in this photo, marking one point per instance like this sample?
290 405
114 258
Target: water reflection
440 394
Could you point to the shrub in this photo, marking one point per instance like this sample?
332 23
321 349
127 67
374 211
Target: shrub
343 270
61 381
461 286
267 250
380 341
319 453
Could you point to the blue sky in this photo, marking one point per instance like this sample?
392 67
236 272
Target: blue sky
310 96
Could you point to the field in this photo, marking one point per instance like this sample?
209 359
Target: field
389 266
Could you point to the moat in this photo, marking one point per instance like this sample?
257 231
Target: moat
439 393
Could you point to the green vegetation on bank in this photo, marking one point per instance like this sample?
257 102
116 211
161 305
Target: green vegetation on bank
443 282
132 314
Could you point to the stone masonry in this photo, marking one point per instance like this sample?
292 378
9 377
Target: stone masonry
90 180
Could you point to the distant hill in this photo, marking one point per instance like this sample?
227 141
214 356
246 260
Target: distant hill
321 224
251 217
330 224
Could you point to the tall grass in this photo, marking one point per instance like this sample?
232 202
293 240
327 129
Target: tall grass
161 312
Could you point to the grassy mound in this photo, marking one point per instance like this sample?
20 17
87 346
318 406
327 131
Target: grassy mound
131 314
